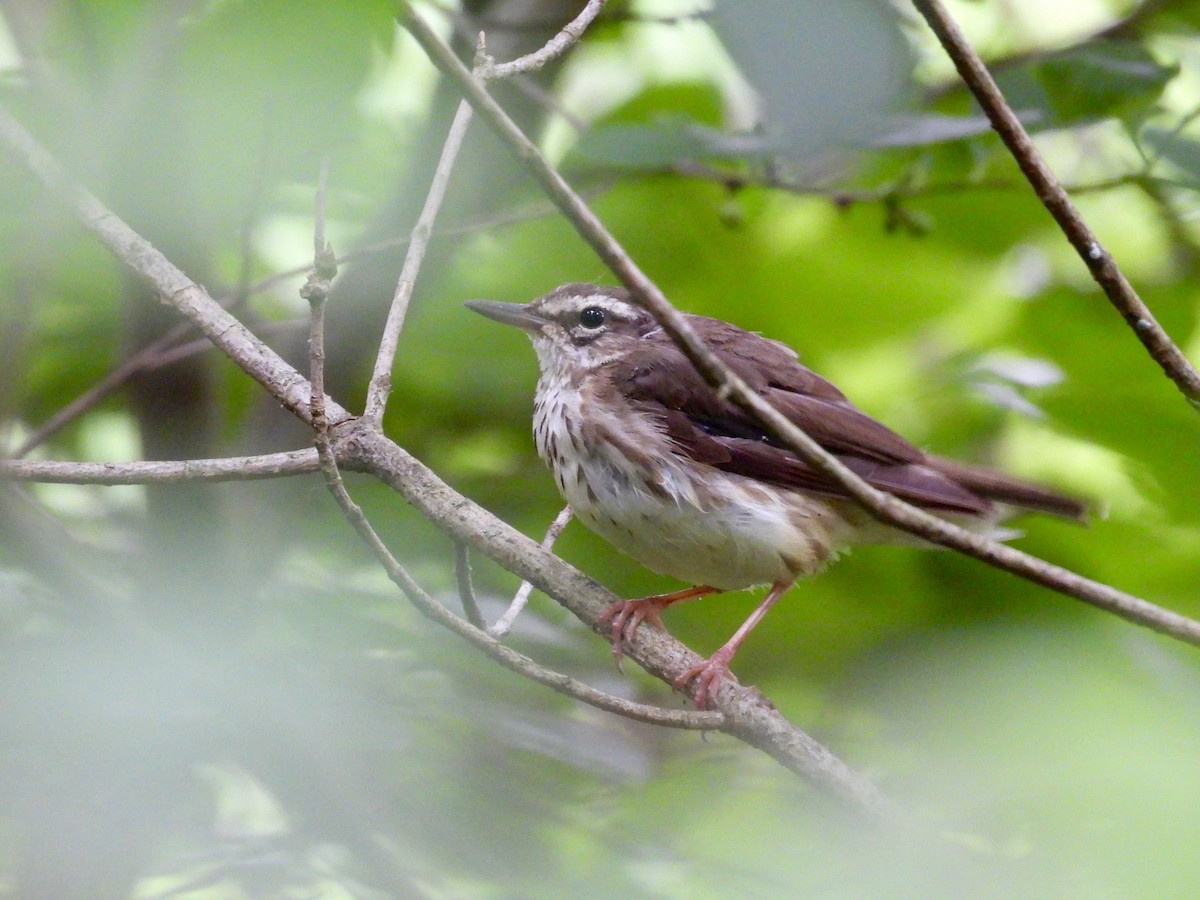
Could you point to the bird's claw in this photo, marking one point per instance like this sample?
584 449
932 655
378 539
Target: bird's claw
626 616
708 675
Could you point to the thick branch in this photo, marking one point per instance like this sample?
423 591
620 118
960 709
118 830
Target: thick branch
1098 260
882 506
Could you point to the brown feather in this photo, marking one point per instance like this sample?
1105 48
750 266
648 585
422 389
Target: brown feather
658 371
1006 489
660 381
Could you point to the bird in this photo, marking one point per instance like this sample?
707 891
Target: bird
672 473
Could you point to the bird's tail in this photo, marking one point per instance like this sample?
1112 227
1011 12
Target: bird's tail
1005 489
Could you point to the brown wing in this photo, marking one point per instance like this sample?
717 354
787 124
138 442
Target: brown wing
662 383
660 373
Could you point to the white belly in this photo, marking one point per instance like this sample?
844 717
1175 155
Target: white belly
697 524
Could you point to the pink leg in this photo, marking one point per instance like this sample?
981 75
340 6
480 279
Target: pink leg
627 615
710 673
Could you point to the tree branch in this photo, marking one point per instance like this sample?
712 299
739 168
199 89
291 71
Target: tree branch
505 623
882 506
381 377
466 589
233 468
553 48
1100 263
733 180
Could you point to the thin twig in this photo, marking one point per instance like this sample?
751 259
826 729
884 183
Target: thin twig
466 590
526 84
525 23
880 505
233 468
1099 261
848 196
316 291
505 623
553 48
381 376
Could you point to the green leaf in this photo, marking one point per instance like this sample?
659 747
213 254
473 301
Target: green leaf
651 146
1104 79
1177 149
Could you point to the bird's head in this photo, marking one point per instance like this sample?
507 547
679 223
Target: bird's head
576 328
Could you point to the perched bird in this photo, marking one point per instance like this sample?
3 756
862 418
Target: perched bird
651 458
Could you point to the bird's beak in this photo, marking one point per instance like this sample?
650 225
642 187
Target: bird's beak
509 313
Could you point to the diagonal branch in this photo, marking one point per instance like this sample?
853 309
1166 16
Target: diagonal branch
882 506
1099 261
381 377
505 623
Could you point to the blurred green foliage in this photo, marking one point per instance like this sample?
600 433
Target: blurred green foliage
276 721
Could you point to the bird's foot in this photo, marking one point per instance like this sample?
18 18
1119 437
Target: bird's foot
627 615
707 675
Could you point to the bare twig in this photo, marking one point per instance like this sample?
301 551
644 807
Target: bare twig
848 196
316 291
466 590
140 361
505 623
233 468
882 506
527 23
381 377
554 48
1098 260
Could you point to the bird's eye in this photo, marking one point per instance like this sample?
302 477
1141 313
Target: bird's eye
592 317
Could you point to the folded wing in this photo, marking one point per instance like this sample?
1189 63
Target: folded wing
663 384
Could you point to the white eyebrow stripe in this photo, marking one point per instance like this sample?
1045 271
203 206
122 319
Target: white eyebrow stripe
576 303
